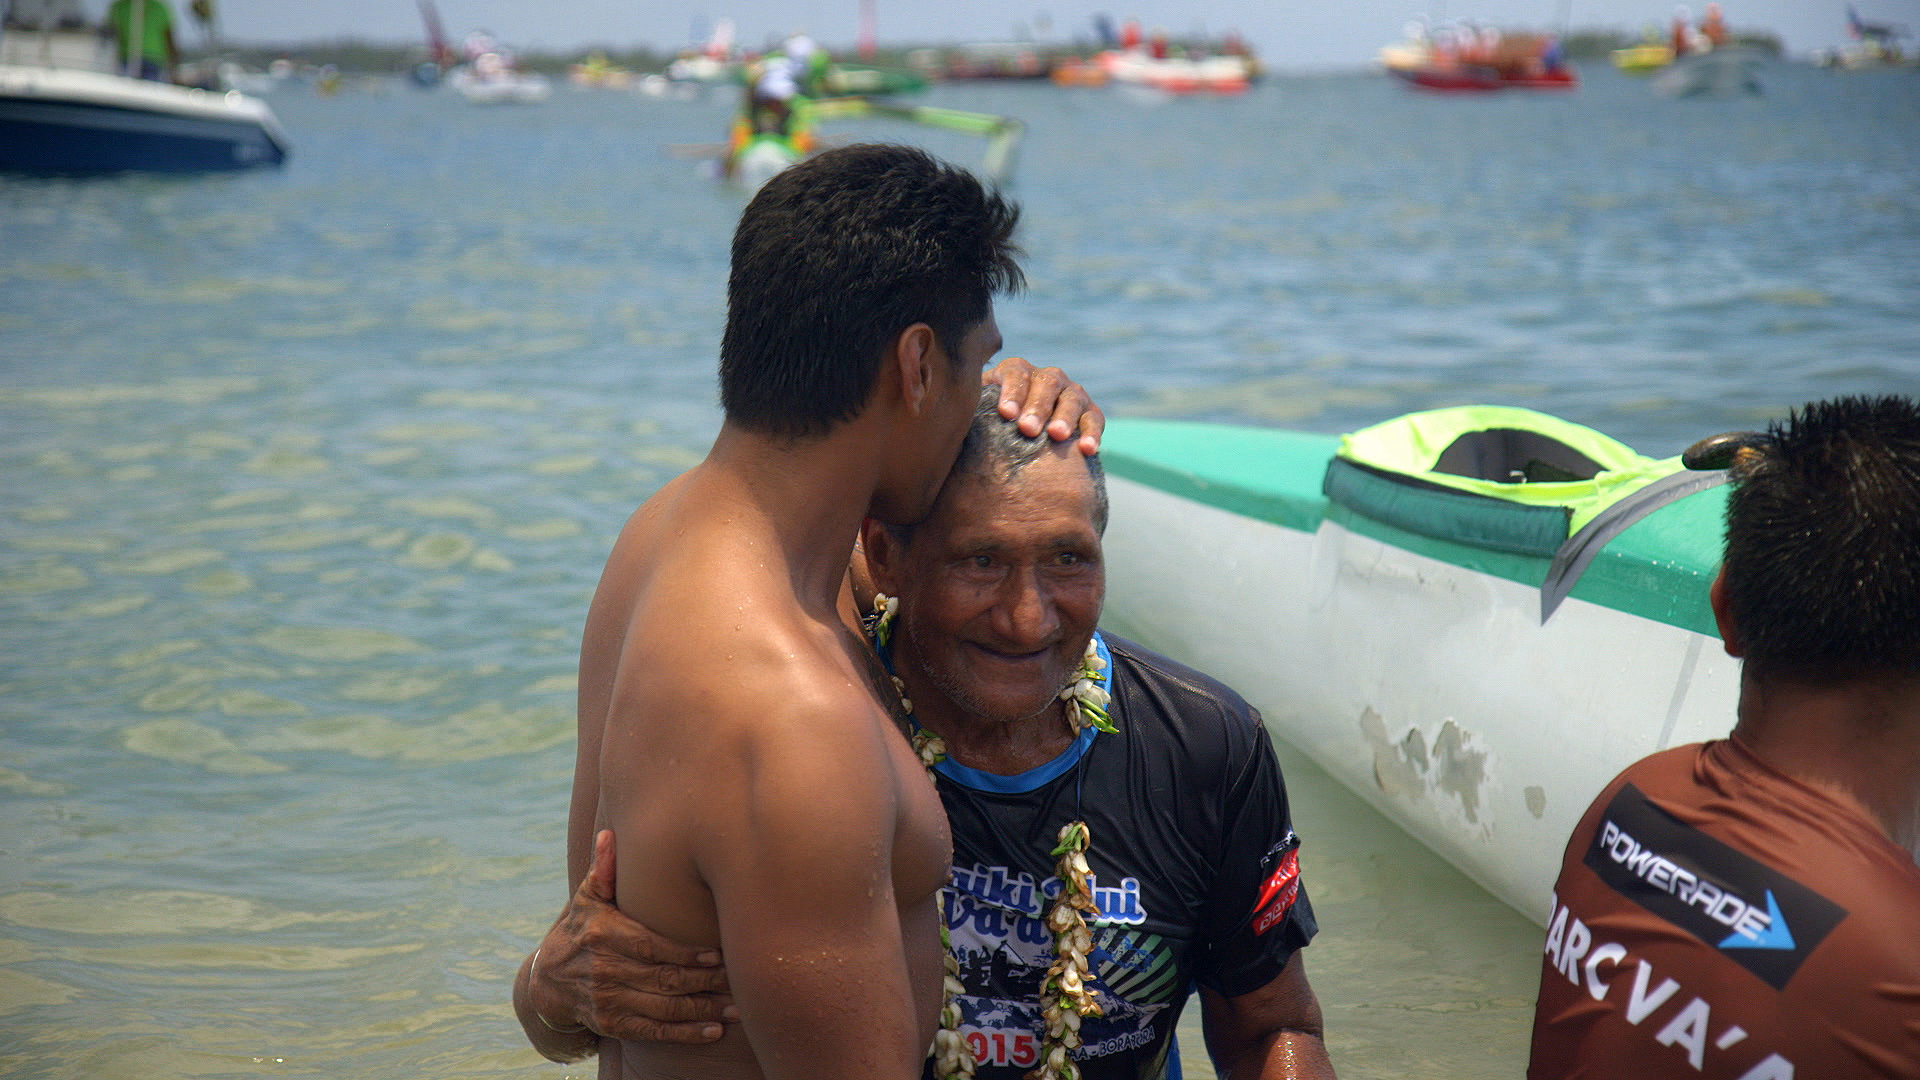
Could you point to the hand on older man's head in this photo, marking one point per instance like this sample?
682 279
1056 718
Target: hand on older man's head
1046 399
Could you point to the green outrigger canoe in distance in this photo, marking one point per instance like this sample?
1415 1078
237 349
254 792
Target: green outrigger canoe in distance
752 157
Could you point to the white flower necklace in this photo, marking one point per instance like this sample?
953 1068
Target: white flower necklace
1065 992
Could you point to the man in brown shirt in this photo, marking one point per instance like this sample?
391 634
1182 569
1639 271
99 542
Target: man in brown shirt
1749 908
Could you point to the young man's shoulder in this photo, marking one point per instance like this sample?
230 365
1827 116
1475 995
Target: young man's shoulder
741 672
762 727
703 631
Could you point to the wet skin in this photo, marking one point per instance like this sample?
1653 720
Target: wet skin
751 766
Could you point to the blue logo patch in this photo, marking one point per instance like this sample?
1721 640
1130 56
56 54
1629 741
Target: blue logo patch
1776 935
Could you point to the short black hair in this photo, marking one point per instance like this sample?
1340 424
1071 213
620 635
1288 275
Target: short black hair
837 255
995 449
1823 543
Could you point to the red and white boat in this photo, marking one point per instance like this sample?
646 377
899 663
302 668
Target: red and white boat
1469 61
1225 73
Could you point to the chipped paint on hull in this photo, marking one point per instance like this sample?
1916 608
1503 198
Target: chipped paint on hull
1456 772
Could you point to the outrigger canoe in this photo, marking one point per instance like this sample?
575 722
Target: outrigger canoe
751 157
1473 618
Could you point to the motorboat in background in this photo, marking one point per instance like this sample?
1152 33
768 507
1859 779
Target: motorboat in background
1482 78
1467 59
66 109
716 62
1217 73
1875 45
489 76
1702 59
484 84
1728 71
1127 58
1158 64
996 61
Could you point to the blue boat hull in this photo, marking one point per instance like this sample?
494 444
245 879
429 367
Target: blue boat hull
40 136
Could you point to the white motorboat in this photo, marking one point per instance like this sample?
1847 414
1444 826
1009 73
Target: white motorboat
1219 74
501 90
489 77
1729 71
499 87
64 110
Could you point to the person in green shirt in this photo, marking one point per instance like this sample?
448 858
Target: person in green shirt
155 55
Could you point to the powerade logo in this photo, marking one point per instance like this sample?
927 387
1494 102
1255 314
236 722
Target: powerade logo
1761 919
1751 927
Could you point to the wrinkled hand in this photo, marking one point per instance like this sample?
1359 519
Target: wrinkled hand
1045 399
600 968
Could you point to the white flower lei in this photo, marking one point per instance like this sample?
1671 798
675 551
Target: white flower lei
1065 992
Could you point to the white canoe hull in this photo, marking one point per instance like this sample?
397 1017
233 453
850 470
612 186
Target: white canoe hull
1431 690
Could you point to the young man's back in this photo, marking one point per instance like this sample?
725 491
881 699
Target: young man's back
735 735
747 755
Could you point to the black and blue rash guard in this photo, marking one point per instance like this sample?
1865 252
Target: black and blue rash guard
1196 870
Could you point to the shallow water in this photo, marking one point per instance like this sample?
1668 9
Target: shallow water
306 477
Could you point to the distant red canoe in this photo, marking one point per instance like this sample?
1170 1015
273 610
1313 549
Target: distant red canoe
1479 79
1555 79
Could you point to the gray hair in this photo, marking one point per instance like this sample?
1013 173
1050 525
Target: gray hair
996 451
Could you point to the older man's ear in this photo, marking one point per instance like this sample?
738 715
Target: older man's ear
877 558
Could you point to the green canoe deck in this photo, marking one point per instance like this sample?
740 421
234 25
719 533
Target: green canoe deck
1659 568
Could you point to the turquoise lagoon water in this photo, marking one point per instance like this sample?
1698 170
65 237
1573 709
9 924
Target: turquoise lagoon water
307 476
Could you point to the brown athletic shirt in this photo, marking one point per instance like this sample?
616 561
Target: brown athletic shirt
1716 919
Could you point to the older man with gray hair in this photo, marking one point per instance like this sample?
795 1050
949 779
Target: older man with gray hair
1120 825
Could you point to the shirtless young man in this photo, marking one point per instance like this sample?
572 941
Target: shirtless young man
1194 854
733 731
